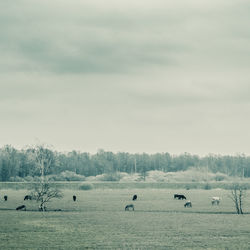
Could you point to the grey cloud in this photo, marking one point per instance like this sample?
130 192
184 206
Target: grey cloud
111 39
92 55
87 45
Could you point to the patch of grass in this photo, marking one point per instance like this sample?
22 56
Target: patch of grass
97 220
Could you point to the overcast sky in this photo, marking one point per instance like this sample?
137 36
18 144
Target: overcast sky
135 76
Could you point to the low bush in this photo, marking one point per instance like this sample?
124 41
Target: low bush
110 177
220 177
191 186
207 186
29 178
86 186
16 179
67 176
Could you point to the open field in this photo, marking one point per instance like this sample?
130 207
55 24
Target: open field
98 220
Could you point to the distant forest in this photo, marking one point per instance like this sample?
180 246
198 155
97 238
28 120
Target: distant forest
18 163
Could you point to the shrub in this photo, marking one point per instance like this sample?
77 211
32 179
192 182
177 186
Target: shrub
72 176
156 176
220 177
29 178
207 186
16 179
36 178
125 177
86 186
110 177
191 186
67 176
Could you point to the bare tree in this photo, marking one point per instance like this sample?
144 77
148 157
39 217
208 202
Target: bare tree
237 195
43 192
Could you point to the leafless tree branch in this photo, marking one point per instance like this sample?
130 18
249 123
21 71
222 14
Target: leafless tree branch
237 196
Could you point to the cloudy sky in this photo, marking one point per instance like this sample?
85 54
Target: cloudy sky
135 76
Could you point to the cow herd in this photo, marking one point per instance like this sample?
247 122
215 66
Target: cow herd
188 203
215 200
183 197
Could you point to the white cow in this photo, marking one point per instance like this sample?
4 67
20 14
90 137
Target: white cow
215 200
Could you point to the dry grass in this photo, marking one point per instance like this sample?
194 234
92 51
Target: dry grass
98 221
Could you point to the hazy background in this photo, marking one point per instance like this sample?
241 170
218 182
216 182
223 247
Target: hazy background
145 76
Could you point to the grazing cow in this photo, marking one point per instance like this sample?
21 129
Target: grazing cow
176 196
188 204
215 200
180 197
5 197
27 197
22 207
129 206
134 197
74 198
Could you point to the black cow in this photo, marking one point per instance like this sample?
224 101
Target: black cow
22 207
180 197
134 197
27 197
129 206
176 196
5 197
188 204
74 198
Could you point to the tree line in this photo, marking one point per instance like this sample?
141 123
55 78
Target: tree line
21 163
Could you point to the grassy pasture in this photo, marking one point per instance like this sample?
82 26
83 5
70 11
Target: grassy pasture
98 221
